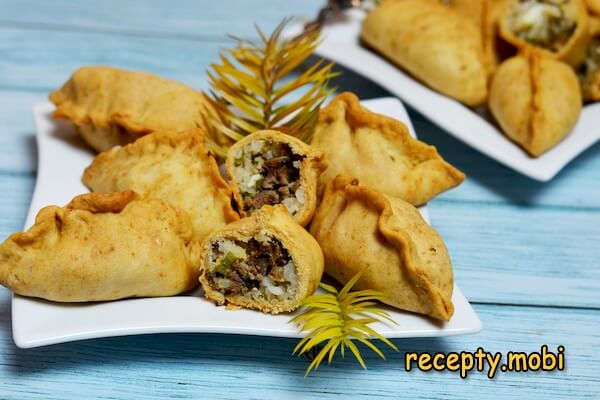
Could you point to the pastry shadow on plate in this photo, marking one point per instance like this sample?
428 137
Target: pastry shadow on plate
64 130
30 143
216 350
498 179
5 313
478 167
240 350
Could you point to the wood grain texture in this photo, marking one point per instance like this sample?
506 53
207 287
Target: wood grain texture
18 151
42 66
195 19
494 201
226 366
490 182
203 20
15 195
507 186
549 259
524 255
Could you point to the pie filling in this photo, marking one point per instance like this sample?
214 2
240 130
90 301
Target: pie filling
258 268
269 173
544 23
592 61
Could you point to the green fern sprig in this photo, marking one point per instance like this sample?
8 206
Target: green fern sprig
337 319
249 92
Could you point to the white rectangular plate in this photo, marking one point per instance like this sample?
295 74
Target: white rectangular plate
341 44
62 158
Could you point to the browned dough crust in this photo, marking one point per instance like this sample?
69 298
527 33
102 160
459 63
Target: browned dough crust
380 152
301 246
404 257
102 247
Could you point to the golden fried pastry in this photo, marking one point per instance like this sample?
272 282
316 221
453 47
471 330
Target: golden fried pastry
265 262
175 168
380 152
589 72
437 45
102 247
536 100
404 257
593 6
555 28
269 167
111 106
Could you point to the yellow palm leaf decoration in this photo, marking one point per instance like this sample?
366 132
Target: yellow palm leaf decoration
250 88
337 319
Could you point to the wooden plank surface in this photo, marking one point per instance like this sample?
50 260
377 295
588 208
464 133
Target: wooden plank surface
44 66
193 19
15 195
487 259
487 182
486 248
527 249
18 152
523 255
182 366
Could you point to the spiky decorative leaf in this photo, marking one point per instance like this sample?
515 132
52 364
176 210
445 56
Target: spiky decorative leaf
249 90
336 319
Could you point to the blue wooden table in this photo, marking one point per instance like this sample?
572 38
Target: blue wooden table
526 254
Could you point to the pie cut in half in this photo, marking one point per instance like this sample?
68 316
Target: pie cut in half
265 262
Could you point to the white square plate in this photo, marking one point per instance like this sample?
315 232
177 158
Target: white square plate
62 158
341 44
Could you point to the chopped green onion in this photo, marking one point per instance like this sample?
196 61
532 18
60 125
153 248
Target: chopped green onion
223 266
258 185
